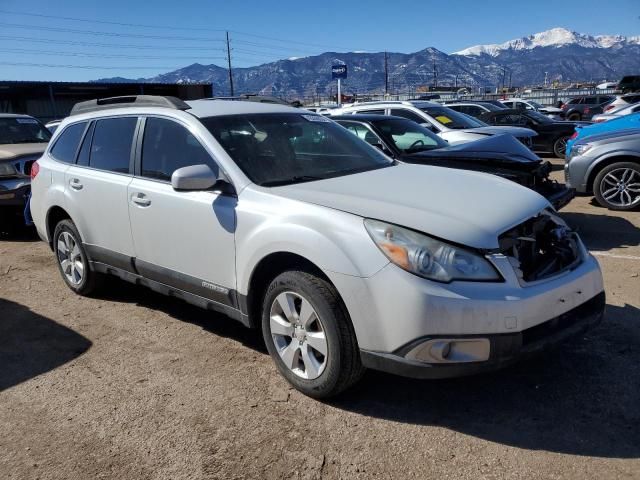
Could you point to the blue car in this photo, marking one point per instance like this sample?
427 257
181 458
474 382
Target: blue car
623 123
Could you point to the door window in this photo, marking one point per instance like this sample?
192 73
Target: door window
361 132
168 146
111 146
408 114
66 146
85 149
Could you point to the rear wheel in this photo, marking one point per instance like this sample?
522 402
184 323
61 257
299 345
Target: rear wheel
575 116
309 335
617 186
72 259
560 146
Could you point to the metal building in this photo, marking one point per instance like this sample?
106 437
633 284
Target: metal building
52 100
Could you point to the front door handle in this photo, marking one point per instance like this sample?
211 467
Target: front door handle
75 184
141 199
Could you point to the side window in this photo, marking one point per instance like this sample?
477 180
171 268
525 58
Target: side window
358 130
508 104
66 145
591 100
510 119
168 146
408 114
472 110
83 156
111 146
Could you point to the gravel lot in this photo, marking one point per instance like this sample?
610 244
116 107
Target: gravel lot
133 385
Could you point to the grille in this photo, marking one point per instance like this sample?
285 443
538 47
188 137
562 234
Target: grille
541 247
526 141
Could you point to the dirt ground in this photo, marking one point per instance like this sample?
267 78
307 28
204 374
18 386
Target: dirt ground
133 385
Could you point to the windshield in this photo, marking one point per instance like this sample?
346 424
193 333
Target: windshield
536 105
22 130
282 148
452 119
539 117
408 136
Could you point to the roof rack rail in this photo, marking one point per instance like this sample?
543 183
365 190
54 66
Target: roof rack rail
129 101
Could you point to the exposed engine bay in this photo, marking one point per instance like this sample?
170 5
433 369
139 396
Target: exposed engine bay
541 247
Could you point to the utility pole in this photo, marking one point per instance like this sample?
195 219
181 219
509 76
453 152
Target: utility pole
386 74
229 61
435 74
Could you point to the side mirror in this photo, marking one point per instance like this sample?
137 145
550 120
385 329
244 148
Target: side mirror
195 177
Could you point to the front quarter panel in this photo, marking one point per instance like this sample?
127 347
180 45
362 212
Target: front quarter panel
333 240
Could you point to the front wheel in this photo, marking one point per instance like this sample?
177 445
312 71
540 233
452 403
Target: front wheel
560 146
309 335
575 116
617 186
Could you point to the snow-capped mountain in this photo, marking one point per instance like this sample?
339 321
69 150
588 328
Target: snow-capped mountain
556 54
556 37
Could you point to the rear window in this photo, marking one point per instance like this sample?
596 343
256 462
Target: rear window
22 130
112 141
66 146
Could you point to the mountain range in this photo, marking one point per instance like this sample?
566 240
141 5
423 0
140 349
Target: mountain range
557 54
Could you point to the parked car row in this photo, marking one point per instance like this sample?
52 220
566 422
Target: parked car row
314 233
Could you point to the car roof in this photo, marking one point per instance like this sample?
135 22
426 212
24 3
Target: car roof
366 117
15 115
214 107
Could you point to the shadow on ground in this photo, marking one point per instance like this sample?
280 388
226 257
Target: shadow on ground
221 325
14 231
603 232
582 398
31 344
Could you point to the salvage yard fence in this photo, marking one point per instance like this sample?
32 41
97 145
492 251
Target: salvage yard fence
547 97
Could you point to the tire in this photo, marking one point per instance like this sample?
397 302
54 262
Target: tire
560 146
575 116
76 272
289 342
617 186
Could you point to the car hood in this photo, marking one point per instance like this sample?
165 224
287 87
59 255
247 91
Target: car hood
502 148
492 130
464 207
10 151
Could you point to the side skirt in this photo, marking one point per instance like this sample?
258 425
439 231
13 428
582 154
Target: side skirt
169 291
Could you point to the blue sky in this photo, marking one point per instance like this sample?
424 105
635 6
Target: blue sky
44 48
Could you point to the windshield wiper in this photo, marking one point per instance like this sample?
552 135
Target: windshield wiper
286 181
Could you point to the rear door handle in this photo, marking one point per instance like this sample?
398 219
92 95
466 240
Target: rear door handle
75 184
141 199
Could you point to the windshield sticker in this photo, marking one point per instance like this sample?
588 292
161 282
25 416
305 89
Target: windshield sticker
27 120
444 120
316 118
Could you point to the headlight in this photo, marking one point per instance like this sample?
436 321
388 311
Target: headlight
7 170
427 257
581 149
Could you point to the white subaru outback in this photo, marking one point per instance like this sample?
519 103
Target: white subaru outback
285 221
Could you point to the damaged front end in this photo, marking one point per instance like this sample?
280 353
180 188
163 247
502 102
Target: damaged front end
558 194
542 247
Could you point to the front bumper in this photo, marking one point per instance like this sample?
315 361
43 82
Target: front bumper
559 195
505 348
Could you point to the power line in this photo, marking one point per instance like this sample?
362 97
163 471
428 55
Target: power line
169 27
105 22
89 67
93 44
102 55
107 34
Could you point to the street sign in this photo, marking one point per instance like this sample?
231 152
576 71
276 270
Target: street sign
338 71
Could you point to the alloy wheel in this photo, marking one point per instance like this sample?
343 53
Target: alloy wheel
298 335
70 258
560 146
621 187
